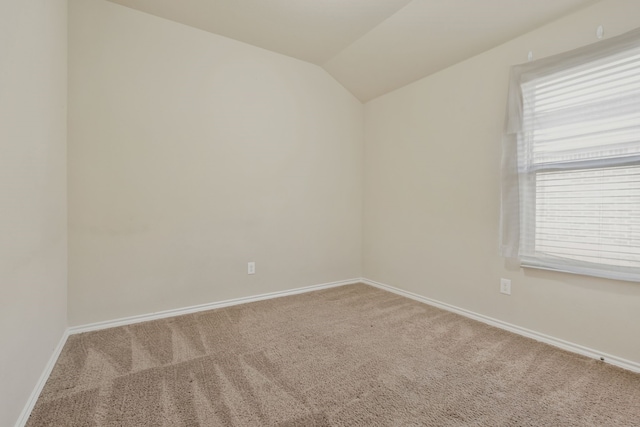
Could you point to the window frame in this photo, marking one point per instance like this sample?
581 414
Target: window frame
518 221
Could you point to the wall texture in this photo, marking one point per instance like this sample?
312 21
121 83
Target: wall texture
432 183
33 201
191 154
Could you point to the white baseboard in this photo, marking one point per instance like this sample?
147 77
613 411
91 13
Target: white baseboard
203 307
547 339
26 411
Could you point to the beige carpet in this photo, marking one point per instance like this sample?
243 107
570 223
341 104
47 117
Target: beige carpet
348 356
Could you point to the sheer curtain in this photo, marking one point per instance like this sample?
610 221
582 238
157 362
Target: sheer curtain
571 161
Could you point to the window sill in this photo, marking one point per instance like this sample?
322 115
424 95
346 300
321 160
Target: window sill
624 274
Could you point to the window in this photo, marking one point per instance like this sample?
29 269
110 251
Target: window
571 161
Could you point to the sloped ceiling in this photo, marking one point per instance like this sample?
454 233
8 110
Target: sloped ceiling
370 46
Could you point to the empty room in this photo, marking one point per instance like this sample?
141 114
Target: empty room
319 213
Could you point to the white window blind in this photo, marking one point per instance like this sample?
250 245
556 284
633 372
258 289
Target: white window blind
571 161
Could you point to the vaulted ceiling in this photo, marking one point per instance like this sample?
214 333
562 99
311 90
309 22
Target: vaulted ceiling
370 46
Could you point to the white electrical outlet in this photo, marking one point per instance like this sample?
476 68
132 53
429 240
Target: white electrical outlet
251 268
505 286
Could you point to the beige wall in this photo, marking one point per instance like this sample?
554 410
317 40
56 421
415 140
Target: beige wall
33 203
432 171
191 154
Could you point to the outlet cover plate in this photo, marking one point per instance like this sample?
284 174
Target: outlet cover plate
505 286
